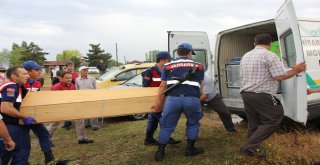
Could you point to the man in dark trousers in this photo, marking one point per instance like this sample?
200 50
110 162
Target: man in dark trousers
33 85
213 99
260 73
152 78
102 67
11 97
185 98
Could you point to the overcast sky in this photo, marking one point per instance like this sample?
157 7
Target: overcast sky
136 25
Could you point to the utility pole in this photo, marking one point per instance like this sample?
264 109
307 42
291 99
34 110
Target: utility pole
117 54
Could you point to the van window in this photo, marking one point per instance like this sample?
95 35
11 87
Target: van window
126 75
199 57
289 49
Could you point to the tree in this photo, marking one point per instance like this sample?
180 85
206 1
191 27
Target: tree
95 54
16 53
70 55
151 55
4 58
33 52
113 63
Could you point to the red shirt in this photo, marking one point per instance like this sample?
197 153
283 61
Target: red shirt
61 86
32 85
74 76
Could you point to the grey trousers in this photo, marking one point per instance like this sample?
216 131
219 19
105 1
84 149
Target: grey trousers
52 127
218 105
264 113
92 122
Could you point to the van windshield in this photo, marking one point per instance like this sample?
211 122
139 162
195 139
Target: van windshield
109 74
199 57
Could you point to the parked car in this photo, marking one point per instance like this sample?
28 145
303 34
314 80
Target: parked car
118 75
135 82
93 70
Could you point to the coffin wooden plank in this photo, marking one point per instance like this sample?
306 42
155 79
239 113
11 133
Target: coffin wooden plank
50 106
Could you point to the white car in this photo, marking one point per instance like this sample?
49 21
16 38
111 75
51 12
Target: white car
93 70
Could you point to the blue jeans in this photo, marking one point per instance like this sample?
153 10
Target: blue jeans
43 135
172 110
20 155
153 121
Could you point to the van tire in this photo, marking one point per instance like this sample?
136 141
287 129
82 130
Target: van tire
139 116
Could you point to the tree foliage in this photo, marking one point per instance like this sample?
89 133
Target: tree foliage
151 55
95 54
70 55
4 58
33 52
16 53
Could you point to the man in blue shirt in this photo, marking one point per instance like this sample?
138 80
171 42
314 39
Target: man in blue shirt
11 97
184 98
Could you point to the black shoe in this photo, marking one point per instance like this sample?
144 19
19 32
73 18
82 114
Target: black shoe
149 139
67 125
233 130
150 142
160 153
95 128
58 162
191 150
251 152
85 141
48 156
172 141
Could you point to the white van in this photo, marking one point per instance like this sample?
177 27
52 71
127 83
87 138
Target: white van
298 40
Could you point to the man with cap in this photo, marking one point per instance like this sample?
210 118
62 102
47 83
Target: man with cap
184 98
152 78
86 82
33 85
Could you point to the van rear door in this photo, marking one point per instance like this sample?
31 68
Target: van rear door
198 40
294 97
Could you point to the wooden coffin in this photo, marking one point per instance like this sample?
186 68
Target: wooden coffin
50 106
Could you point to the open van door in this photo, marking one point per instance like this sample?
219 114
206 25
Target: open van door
293 90
198 40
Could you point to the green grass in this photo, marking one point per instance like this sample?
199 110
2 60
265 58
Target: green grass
121 142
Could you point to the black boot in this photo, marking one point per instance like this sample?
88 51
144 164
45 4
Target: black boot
48 156
191 150
149 139
160 153
49 159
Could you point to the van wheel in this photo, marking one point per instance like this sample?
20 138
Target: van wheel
139 116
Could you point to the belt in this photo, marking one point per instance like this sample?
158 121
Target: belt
179 95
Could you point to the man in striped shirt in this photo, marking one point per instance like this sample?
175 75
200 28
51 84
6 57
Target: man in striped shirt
260 73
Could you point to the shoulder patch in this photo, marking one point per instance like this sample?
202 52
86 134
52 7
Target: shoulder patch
10 92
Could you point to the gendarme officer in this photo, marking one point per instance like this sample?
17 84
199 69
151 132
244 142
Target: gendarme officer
184 98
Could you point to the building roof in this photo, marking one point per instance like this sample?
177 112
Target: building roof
52 63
